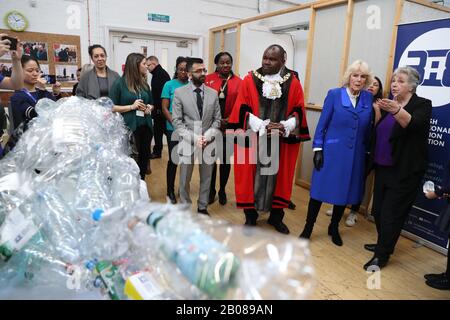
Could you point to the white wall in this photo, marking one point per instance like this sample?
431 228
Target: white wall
50 16
187 17
413 12
254 40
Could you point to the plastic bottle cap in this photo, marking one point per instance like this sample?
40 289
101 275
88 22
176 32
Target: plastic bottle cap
90 265
154 218
97 214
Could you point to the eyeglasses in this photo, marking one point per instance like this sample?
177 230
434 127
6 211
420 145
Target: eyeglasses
181 70
200 71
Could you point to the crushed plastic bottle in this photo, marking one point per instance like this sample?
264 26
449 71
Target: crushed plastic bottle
428 186
207 263
110 235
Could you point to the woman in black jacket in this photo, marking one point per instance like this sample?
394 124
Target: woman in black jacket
400 157
23 101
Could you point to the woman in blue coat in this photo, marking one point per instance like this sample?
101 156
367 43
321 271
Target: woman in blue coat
340 145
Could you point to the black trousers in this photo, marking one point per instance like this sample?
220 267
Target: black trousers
171 171
392 201
143 138
158 131
314 208
224 168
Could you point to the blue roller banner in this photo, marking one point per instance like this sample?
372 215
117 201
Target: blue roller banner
426 47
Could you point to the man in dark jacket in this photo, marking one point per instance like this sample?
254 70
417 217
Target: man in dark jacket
159 78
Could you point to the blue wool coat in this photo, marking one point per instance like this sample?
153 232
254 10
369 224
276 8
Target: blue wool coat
343 132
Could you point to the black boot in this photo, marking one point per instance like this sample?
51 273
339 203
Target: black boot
313 212
251 215
307 231
171 172
333 228
276 220
333 231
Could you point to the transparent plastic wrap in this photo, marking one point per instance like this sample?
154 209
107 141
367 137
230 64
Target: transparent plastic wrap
110 237
225 261
94 181
26 256
61 225
125 182
58 173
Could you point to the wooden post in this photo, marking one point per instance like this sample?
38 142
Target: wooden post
390 64
312 25
237 59
347 39
212 41
222 40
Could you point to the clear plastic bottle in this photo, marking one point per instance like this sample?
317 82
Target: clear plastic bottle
60 224
207 263
94 182
428 186
110 235
125 182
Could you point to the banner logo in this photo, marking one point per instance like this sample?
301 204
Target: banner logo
433 65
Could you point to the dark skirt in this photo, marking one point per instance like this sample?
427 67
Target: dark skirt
443 221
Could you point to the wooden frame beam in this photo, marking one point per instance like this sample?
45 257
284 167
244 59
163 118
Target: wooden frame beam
390 64
347 38
237 59
269 15
431 5
312 26
212 42
222 40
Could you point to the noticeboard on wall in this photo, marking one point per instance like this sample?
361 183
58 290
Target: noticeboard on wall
58 55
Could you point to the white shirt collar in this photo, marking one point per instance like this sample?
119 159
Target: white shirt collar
194 87
352 97
274 77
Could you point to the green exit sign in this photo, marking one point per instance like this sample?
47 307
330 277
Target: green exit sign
158 17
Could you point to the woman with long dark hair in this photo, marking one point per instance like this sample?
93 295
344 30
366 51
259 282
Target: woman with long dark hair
180 79
24 100
133 99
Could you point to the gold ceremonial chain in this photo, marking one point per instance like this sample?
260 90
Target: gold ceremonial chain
222 89
263 79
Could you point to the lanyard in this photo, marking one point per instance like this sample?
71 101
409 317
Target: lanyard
29 94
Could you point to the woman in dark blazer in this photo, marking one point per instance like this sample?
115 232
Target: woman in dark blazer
97 82
340 144
400 156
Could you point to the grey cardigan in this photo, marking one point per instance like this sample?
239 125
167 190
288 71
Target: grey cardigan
88 86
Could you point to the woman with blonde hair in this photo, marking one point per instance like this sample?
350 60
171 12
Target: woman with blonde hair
340 145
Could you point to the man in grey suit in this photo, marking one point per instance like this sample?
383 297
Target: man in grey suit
196 118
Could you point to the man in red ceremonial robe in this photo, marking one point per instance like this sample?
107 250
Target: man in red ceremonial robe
270 106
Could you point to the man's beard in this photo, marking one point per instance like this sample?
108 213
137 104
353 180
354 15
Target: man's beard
198 81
